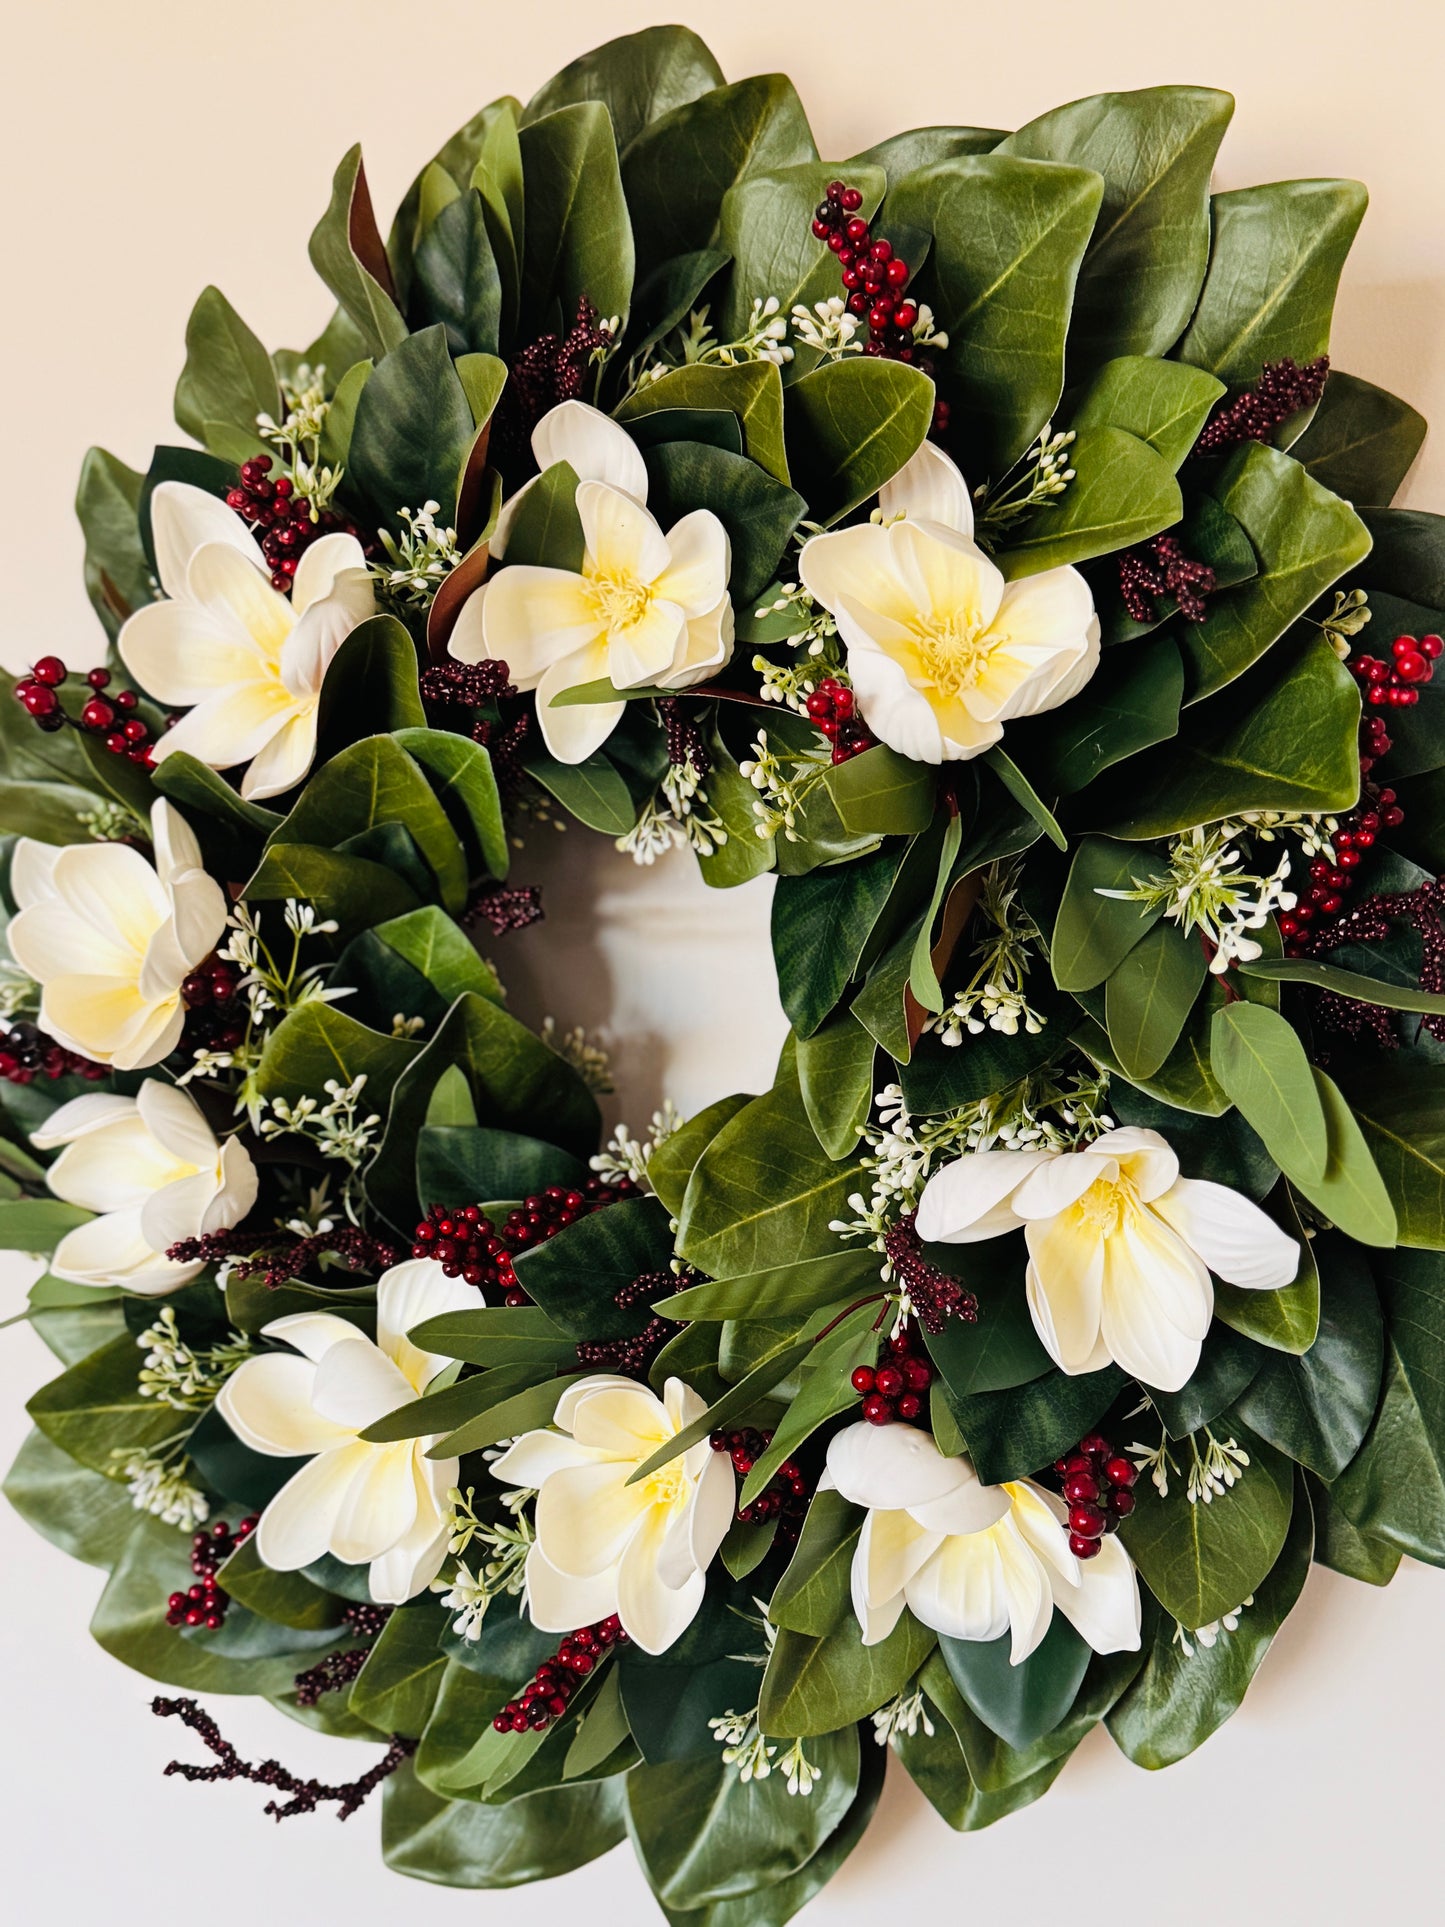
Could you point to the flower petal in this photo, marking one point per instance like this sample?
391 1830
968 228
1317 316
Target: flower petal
626 1423
653 1614
1060 1183
596 448
313 1333
531 618
355 1386
700 561
268 1404
32 872
533 1458
972 1506
1144 1157
960 1592
1157 1303
622 540
409 1566
1104 1606
234 592
1239 1242
572 1395
639 652
968 1200
181 654
295 1529
1065 1285
559 1602
706 647
886 1467
587 1515
574 732
897 713
113 1250
406 1296
324 570
231 726
711 1513
284 761
185 518
380 1506
177 1123
929 488
177 1210
892 1546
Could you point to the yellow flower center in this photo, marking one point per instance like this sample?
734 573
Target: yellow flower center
621 601
1108 1204
953 651
667 1485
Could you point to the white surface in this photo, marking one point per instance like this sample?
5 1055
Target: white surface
147 148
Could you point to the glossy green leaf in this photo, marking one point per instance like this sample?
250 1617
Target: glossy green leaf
1148 997
1163 403
758 513
766 225
783 1291
37 1224
346 251
679 167
317 1042
98 1404
371 685
1012 1434
1274 266
460 773
578 237
813 1595
1130 703
1123 492
1400 1108
851 425
1343 1548
396 1688
227 381
433 944
575 1275
753 391
1020 1703
1259 1060
1361 442
820 924
671 1164
459 1843
813 1686
117 573
1181 1697
1200 1560
825 1392
1305 538
1228 1363
592 790
882 793
86 1515
1008 239
1345 983
413 426
638 77
1146 260
1094 933
1002 1349
835 1075
456 282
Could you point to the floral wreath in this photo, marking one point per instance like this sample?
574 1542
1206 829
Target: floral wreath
974 534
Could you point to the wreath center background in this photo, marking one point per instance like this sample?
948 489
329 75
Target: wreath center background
886 869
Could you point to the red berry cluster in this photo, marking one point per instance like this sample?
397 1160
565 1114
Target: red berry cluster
784 1497
874 276
1097 1482
632 1354
1283 390
216 1012
1161 568
544 1698
833 708
206 1602
895 1388
281 519
1305 928
108 717
467 1244
1395 684
27 1053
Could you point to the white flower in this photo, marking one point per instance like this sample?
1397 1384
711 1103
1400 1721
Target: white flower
972 1561
941 650
646 609
151 1166
383 1505
604 1546
250 659
1120 1247
111 939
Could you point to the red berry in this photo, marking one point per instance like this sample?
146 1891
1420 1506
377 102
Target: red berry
856 230
877 1411
851 199
1122 1503
890 1382
1094 1445
897 274
1120 1471
1083 1548
1411 666
1431 646
98 678
917 1376
97 714
40 700
863 1378
1081 1488
1087 1520
50 670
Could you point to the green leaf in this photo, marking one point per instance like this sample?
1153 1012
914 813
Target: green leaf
575 1275
1145 263
1002 1350
117 573
1274 266
1095 933
227 380
1259 1060
432 943
1318 1407
317 1042
704 1835
922 977
1343 1549
835 1075
376 782
882 793
1361 442
37 1224
1286 741
1394 1488
516 1083
1200 1560
370 686
1163 403
902 154
1305 538
591 790
460 1164
671 1164
753 391
284 1598
413 427
757 512
1401 1113
461 775
347 252
456 282
763 1190
1148 997
820 924
97 1405
522 1411
825 1392
1227 1365
736 1403
816 1685
766 225
1286 1320
440 1413
1180 1698
1020 1703
1008 238
1130 703
194 786
460 1843
578 240
784 1291
813 1594
678 168
1012 1434
668 1707
397 1687
87 1516
637 77
851 426
1122 493
1344 983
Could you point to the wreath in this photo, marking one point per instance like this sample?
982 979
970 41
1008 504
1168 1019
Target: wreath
972 533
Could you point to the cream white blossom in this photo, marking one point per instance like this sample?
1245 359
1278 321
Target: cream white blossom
154 1171
603 1545
246 661
972 1561
110 938
646 608
385 1506
1120 1247
941 650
